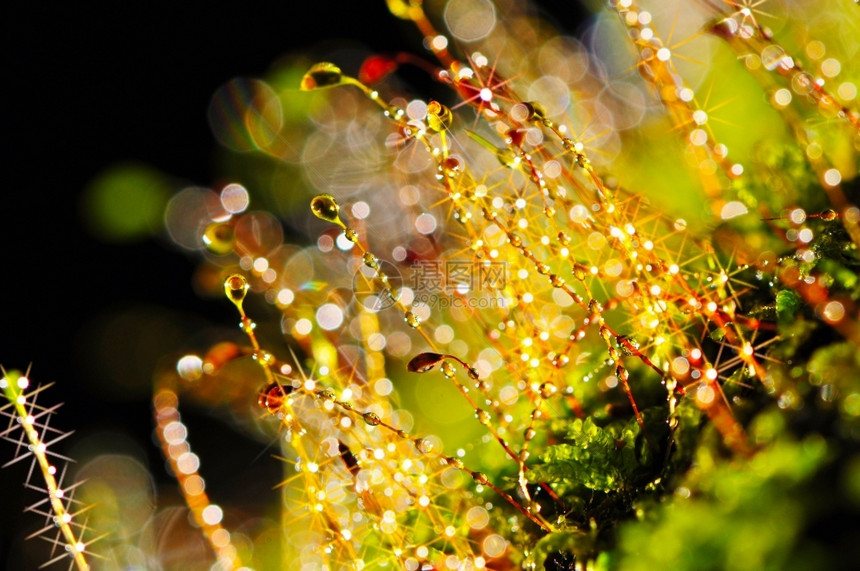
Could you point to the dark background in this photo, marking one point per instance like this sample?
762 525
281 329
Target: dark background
89 85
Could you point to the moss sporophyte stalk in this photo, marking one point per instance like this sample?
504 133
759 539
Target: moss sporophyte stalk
591 306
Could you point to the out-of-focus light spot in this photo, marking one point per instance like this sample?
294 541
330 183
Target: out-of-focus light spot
409 194
832 177
705 394
624 288
797 216
329 316
833 311
246 114
733 209
286 296
494 545
383 387
235 198
303 326
425 223
552 92
698 137
343 243
444 334
325 243
360 210
470 20
664 54
830 67
212 514
194 485
680 366
846 91
188 463
781 97
190 367
376 342
260 265
175 433
613 267
815 49
125 202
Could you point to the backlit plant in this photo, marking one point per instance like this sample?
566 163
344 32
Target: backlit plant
594 304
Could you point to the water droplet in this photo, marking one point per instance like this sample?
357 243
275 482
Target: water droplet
264 358
424 445
456 463
547 389
472 372
439 117
272 396
219 238
828 215
483 416
350 235
323 74
411 319
236 286
423 362
448 370
371 418
371 261
325 207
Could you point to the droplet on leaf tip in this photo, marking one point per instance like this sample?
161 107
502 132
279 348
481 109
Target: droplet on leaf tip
325 207
236 286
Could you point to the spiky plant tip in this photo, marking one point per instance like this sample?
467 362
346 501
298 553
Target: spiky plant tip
34 438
